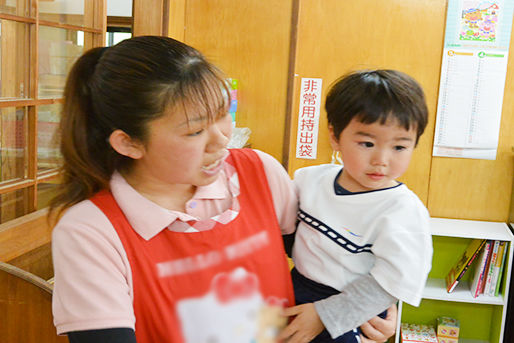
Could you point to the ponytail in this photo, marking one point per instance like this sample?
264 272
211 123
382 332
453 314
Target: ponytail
82 175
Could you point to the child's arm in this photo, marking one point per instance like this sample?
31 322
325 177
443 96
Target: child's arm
357 303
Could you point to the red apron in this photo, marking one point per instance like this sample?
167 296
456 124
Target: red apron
210 286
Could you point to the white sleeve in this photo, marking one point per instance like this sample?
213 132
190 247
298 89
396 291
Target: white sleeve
93 283
283 193
403 251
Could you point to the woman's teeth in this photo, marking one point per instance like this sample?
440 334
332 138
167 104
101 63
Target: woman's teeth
216 163
212 165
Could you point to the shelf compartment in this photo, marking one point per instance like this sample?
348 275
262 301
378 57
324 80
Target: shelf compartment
469 229
477 321
482 318
435 289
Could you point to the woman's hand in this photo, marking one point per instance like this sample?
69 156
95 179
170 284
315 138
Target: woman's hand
378 329
304 327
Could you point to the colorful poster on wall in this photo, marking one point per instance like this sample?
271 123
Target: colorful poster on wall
308 118
472 81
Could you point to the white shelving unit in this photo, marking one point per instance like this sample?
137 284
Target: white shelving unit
435 289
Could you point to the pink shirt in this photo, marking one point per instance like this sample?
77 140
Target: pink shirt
90 262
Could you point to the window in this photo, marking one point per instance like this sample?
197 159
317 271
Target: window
33 69
119 27
117 34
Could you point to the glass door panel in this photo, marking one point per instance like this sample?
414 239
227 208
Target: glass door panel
14 59
58 50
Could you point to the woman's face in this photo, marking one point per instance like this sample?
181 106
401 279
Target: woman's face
183 151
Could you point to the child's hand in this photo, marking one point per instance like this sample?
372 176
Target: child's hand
378 329
304 327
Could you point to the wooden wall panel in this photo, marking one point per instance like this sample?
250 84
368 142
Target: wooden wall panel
37 262
249 41
335 37
23 235
177 19
478 189
148 17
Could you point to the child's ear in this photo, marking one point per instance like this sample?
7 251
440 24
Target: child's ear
334 142
125 145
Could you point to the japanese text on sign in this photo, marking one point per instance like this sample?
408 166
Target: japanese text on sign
308 118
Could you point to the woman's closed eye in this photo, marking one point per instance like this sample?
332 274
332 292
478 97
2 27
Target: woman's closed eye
195 133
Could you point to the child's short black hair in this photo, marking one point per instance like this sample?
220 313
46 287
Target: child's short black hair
376 95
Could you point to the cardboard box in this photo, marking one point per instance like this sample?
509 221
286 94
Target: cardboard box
443 339
418 333
447 327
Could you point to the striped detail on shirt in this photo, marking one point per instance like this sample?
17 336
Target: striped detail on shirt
335 236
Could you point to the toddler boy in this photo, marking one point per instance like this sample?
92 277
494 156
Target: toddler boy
363 239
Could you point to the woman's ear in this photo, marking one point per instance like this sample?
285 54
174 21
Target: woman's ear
125 145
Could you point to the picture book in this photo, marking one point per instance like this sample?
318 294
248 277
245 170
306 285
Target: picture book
480 267
501 258
459 269
490 269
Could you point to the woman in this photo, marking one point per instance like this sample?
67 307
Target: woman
165 235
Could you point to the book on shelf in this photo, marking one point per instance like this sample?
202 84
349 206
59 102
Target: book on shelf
491 267
459 269
498 276
480 267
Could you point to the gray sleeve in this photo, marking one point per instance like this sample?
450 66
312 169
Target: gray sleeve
356 304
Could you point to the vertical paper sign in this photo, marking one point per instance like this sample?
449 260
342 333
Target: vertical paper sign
308 119
474 67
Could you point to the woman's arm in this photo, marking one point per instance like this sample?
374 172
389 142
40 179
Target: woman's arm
285 199
92 273
379 330
115 335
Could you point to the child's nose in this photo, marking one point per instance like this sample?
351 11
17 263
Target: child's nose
379 158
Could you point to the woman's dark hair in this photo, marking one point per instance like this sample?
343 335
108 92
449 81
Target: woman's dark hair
125 87
377 95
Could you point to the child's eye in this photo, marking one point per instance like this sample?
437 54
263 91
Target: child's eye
399 148
367 144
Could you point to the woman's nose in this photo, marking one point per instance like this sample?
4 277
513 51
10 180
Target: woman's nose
219 135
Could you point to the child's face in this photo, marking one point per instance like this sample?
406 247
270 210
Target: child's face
181 152
374 155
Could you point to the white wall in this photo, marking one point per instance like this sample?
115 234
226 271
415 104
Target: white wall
118 8
62 6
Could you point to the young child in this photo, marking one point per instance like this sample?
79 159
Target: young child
363 239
